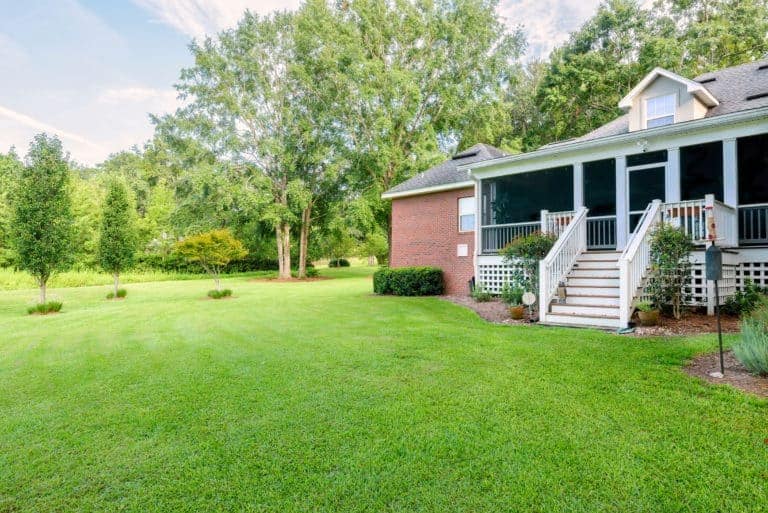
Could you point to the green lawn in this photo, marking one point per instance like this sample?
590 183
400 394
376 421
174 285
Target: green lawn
321 397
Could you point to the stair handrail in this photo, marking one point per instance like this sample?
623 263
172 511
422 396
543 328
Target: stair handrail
561 258
635 260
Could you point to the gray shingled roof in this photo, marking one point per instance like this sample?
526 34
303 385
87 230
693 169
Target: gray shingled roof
447 173
731 86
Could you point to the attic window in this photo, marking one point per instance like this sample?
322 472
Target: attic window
660 111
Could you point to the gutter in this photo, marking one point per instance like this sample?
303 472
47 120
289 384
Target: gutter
675 129
428 190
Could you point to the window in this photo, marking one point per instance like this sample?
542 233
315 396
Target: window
600 187
660 111
753 169
701 171
466 214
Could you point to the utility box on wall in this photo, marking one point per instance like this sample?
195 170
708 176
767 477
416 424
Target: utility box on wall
713 263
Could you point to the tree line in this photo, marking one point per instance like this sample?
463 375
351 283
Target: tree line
293 124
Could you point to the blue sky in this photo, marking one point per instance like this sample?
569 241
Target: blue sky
92 70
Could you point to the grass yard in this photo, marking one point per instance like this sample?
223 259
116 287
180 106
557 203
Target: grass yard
321 397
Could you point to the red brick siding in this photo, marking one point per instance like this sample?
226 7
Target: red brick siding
425 231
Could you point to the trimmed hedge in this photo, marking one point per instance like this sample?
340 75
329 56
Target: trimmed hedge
338 262
409 281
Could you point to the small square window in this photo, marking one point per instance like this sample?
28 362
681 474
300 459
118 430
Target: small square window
466 214
660 111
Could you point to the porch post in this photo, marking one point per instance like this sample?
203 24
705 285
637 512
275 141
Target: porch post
622 207
544 227
672 176
478 221
730 173
578 186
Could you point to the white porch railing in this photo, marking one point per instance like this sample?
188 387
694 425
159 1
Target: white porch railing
572 241
495 237
753 224
636 259
555 223
696 218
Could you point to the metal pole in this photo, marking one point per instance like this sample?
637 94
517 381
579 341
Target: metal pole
719 327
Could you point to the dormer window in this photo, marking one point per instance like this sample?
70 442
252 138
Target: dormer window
660 110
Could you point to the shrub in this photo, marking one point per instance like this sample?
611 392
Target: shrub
121 293
524 253
511 295
645 306
45 308
219 294
670 267
338 262
480 293
312 272
744 302
752 350
409 281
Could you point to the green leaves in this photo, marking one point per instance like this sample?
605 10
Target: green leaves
118 236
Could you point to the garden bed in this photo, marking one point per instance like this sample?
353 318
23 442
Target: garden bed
692 323
736 374
492 311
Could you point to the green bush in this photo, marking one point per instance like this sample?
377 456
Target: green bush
744 302
45 308
524 253
480 293
338 262
121 293
671 265
752 350
219 294
312 272
409 281
511 295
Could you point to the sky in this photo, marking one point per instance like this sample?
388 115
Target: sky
91 71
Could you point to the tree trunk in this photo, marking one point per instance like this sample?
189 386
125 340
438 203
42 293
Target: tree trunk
217 281
284 250
117 283
306 220
42 282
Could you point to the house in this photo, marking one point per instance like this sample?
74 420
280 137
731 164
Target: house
692 152
433 219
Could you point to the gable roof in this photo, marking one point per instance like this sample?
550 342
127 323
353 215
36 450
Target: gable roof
445 176
693 87
736 89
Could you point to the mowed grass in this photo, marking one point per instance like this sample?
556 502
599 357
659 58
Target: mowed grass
322 397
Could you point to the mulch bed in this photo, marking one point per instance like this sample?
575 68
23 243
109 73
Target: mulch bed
493 311
692 323
735 373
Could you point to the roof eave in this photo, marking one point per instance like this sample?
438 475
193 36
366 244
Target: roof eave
428 190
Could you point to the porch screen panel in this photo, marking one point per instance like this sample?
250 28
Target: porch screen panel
701 171
521 197
600 187
645 185
649 157
753 169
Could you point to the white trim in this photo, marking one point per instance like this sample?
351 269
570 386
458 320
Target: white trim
692 87
578 185
622 205
730 173
690 132
429 190
672 176
675 103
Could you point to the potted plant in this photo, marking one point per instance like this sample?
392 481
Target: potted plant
513 297
647 313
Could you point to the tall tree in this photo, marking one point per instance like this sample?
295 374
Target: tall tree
42 215
117 236
10 165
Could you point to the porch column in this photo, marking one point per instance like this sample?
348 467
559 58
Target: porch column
478 220
622 206
578 185
672 176
730 173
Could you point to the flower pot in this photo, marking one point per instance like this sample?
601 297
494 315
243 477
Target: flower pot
649 318
517 312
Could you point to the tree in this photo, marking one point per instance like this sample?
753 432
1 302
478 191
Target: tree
212 250
42 215
10 165
118 235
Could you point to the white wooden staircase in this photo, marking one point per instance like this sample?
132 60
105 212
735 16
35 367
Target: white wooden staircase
592 292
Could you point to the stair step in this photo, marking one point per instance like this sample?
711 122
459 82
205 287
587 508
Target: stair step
572 290
585 310
579 272
592 281
600 255
606 299
596 264
612 322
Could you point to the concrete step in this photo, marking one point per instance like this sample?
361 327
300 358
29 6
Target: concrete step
610 322
593 290
605 272
607 299
592 281
596 264
585 310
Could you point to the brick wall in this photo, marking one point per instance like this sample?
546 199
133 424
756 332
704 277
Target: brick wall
425 231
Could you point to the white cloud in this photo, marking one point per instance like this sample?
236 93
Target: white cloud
41 126
198 18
